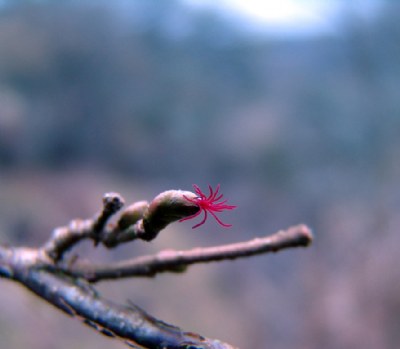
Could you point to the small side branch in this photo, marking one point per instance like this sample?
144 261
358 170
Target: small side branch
177 261
112 203
64 238
141 220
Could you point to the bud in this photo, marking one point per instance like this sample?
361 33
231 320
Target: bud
132 214
167 207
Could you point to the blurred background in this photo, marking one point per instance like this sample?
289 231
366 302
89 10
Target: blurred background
292 106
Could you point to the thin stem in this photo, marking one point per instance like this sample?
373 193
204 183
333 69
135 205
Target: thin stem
64 238
177 261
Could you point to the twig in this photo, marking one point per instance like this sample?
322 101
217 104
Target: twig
112 203
141 220
64 238
177 261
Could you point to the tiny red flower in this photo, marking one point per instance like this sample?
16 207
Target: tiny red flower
208 204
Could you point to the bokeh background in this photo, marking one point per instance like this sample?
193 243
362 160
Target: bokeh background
296 114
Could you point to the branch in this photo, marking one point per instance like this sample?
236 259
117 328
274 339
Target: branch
177 261
128 323
45 272
140 220
64 238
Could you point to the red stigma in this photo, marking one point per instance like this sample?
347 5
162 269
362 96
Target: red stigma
208 204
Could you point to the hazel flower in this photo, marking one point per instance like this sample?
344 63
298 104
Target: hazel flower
208 204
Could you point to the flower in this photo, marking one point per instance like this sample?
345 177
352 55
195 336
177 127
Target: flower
208 204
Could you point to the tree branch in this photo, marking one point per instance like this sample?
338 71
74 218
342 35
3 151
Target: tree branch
140 220
128 323
177 261
68 286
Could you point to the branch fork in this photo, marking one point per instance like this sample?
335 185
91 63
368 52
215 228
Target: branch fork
68 284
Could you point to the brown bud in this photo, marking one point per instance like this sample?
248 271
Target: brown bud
132 214
166 208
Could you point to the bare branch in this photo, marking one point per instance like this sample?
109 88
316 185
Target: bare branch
128 323
177 261
69 287
78 298
139 221
112 203
64 238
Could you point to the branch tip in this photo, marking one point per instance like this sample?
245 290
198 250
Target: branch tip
306 236
113 202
